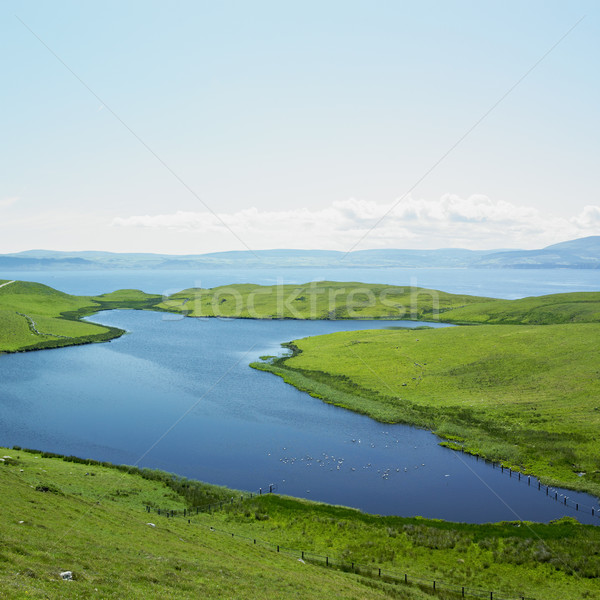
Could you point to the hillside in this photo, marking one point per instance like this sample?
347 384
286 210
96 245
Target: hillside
573 307
316 300
90 519
583 253
34 316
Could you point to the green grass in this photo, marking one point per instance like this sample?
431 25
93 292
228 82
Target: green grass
89 518
34 316
14 331
316 300
573 307
544 561
528 396
353 300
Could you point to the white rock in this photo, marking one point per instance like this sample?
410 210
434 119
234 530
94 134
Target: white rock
151 524
67 575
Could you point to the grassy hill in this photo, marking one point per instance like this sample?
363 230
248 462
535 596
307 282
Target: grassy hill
316 300
526 395
90 519
34 316
573 307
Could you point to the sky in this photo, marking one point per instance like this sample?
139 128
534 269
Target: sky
194 126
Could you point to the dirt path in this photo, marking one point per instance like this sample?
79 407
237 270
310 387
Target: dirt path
7 283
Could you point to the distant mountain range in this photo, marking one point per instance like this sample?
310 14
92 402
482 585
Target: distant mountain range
583 253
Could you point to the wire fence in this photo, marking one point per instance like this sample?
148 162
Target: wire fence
553 493
306 556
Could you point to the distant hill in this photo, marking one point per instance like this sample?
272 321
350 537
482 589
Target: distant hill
583 253
18 263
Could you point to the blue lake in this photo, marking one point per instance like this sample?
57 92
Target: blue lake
178 394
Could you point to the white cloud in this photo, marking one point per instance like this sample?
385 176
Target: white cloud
476 222
6 202
589 218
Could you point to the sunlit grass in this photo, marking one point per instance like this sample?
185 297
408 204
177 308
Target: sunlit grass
91 519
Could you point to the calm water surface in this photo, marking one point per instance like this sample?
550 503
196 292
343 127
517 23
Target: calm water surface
177 394
496 283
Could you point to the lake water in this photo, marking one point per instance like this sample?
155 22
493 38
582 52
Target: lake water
496 283
178 394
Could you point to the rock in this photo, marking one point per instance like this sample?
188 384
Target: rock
67 575
151 524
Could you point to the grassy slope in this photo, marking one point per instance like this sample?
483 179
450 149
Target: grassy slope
317 300
527 395
574 307
95 526
34 316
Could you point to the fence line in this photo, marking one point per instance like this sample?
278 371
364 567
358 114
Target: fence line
551 491
373 571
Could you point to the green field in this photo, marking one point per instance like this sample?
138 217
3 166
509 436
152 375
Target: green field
316 300
60 515
34 316
574 307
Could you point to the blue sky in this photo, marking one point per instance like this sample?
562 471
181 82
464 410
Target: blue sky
193 127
